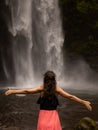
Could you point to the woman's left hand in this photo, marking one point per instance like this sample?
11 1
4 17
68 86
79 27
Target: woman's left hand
8 92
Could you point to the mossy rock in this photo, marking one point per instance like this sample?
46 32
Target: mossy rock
86 124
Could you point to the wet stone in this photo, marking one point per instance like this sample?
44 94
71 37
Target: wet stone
10 128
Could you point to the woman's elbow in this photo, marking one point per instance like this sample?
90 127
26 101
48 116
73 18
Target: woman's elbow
26 91
71 97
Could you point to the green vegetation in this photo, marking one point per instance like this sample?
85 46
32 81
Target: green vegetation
80 25
86 124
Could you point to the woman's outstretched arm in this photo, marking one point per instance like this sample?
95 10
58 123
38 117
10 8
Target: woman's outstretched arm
23 91
74 98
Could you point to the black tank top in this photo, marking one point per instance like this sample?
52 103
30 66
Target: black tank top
48 103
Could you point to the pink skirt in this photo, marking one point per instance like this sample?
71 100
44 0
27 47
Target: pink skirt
48 120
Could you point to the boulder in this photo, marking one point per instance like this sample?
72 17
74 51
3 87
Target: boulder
86 123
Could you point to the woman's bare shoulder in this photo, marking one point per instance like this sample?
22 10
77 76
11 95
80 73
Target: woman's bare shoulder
58 89
41 87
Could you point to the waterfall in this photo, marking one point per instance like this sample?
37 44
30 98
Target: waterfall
37 38
21 29
54 37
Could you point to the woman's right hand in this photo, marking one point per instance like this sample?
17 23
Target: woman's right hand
88 105
8 92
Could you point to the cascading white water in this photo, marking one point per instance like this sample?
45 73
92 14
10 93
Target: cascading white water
51 20
21 30
37 38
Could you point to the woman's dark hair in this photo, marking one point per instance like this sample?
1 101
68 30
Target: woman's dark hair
49 83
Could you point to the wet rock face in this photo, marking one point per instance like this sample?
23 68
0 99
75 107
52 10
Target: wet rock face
11 128
5 40
86 124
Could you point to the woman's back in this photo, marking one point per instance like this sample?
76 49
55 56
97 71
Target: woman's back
48 102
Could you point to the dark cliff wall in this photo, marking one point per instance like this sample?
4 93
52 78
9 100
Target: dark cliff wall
80 25
5 42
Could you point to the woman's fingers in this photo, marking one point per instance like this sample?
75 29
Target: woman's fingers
8 92
89 106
